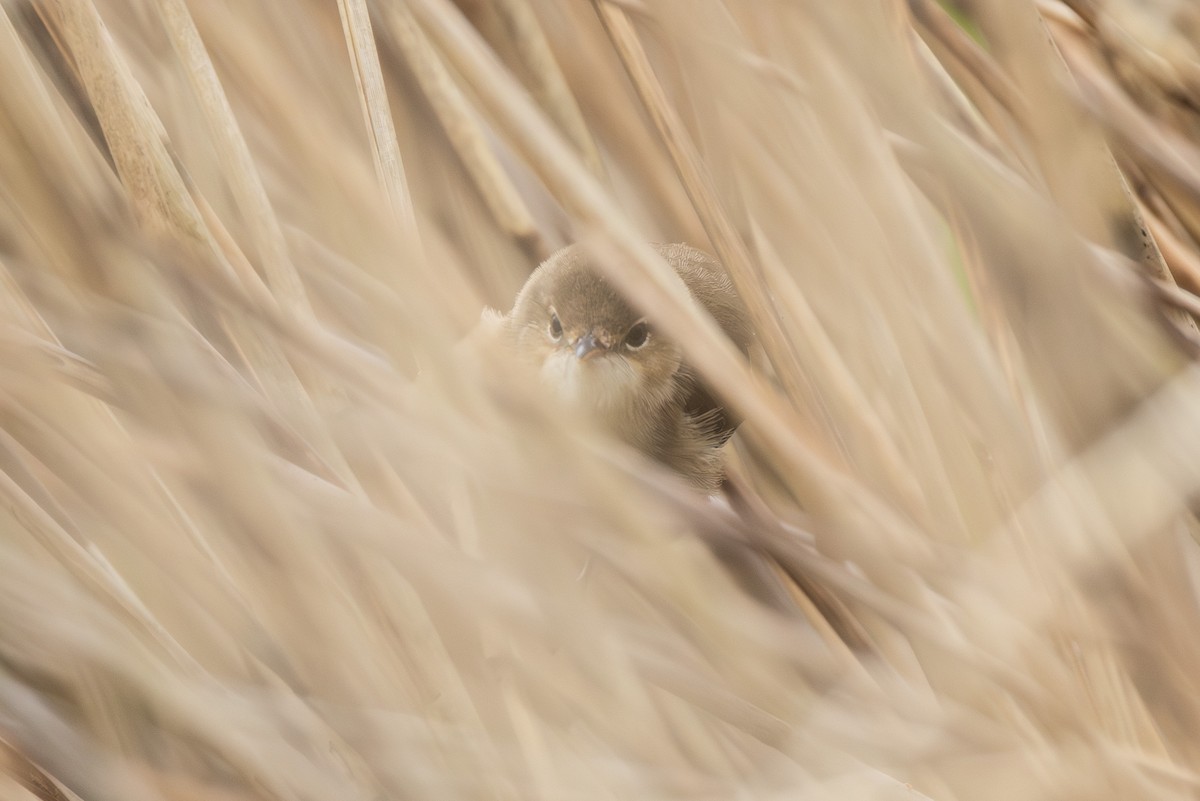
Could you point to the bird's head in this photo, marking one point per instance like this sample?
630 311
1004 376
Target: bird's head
588 343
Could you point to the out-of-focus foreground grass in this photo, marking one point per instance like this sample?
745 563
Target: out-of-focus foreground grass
275 525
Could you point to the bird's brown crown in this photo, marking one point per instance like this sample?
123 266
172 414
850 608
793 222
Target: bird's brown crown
570 288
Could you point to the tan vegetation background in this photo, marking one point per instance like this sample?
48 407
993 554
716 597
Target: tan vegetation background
274 525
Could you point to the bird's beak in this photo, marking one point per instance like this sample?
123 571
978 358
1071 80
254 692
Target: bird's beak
587 345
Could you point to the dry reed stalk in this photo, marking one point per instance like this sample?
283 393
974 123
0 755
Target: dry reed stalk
464 132
234 154
512 27
360 39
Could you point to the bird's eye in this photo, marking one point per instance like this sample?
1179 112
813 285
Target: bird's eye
637 336
555 327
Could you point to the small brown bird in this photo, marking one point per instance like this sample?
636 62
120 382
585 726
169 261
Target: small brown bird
596 350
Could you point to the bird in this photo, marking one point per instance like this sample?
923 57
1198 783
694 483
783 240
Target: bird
595 350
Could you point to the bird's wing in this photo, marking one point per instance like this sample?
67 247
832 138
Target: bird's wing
708 414
711 287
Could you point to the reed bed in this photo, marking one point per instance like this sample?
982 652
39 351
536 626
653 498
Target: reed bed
281 520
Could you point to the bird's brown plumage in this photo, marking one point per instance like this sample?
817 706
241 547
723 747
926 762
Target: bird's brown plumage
642 391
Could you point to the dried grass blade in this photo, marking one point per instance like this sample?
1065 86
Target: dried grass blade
461 125
1181 257
844 389
549 85
15 764
1078 167
134 134
234 155
360 41
969 60
1169 158
700 188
